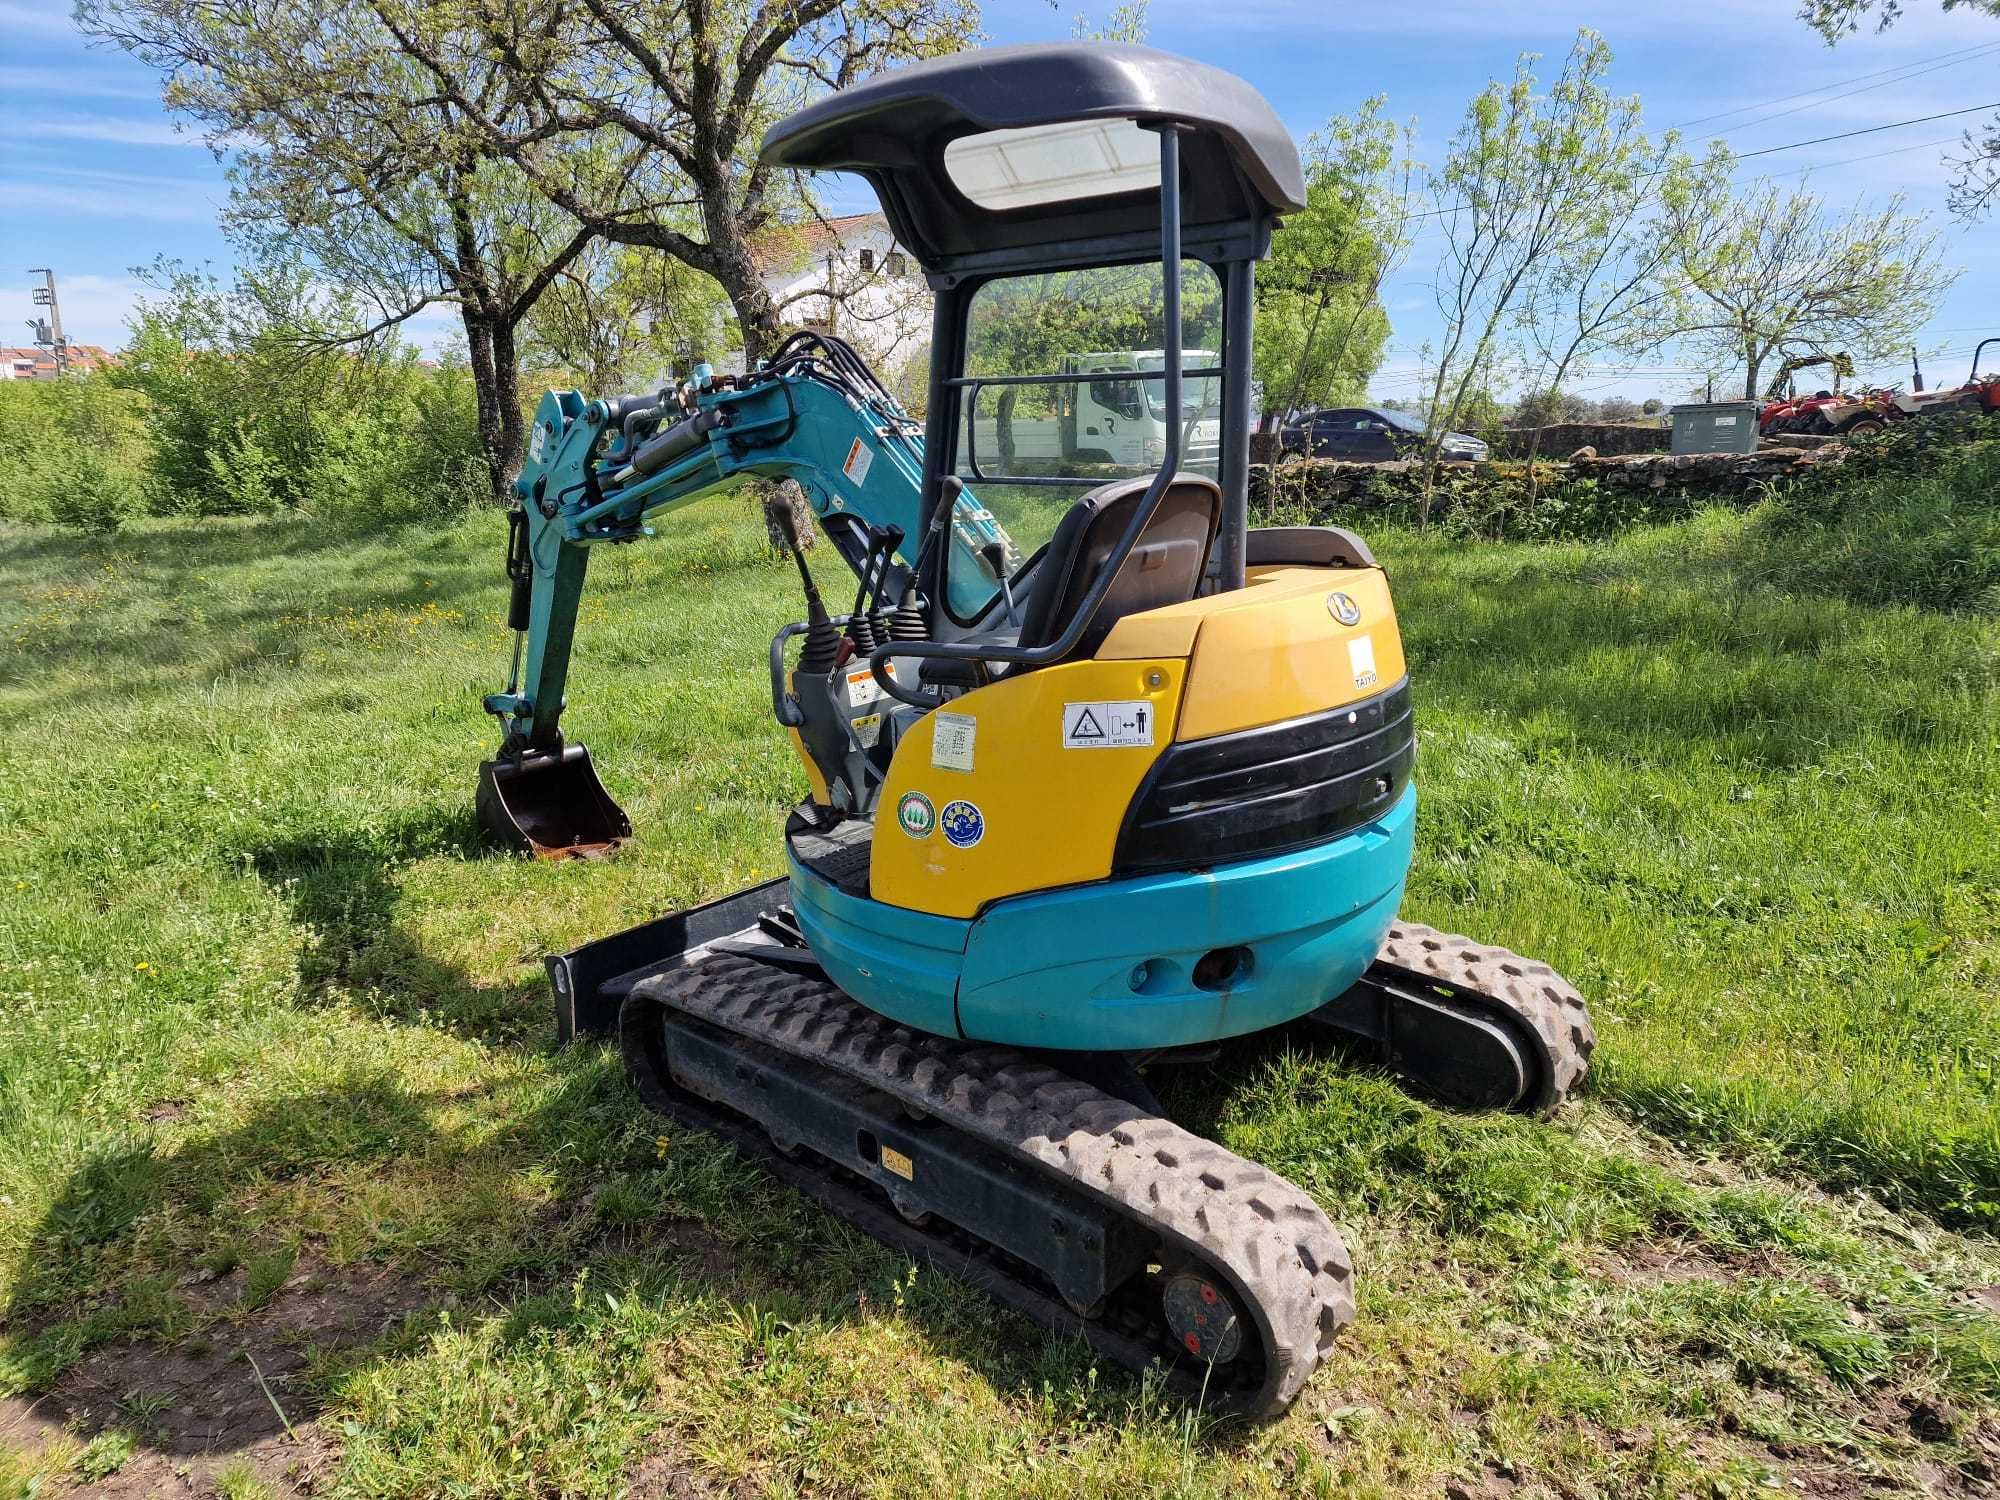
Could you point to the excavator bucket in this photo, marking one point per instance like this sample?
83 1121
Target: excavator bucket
551 806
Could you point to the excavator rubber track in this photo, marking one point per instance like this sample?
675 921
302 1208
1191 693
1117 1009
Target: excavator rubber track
1525 990
1216 1228
768 1026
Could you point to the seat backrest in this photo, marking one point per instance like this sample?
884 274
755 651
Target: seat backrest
1164 567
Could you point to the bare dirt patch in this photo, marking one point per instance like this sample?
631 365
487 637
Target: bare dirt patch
1655 1263
230 1392
1490 1485
661 1476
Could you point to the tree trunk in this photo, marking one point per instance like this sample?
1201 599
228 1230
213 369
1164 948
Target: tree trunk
1752 365
1534 473
756 313
793 494
1003 427
504 460
479 339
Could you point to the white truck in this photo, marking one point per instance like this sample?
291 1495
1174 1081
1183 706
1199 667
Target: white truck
1025 429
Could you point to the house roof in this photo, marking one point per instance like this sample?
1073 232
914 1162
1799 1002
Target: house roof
785 246
81 357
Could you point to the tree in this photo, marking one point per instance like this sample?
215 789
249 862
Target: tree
1770 272
1547 407
1617 409
1519 190
1977 187
678 93
1320 323
352 160
618 316
1834 19
1601 289
1127 24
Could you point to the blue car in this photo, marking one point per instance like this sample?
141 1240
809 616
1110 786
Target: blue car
1368 434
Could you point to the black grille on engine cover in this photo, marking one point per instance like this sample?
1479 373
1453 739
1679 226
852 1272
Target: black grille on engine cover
1263 791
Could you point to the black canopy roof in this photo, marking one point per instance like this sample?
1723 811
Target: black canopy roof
1240 169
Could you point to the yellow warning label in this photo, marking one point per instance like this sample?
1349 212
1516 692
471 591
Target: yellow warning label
898 1163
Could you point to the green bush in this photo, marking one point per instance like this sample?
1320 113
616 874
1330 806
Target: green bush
230 402
72 452
249 411
97 495
1911 517
1491 502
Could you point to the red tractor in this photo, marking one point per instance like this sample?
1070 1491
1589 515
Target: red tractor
1979 393
1787 411
1858 414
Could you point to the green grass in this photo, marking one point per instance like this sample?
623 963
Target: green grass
273 1029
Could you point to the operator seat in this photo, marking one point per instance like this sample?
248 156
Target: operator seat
1165 565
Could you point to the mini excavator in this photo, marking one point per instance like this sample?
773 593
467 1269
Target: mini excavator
1099 775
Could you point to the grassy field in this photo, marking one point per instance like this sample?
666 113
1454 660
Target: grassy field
295 1194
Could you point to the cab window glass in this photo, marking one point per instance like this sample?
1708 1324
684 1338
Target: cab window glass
1105 327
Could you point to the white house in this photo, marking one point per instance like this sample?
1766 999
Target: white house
848 276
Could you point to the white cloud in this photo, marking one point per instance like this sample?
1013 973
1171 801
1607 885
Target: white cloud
72 82
63 172
164 201
117 131
45 19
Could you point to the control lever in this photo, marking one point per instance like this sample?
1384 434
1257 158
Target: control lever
822 647
994 555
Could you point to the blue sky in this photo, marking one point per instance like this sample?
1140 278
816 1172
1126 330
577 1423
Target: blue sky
97 179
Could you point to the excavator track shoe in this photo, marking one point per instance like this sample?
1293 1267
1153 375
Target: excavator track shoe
1172 1205
1474 1026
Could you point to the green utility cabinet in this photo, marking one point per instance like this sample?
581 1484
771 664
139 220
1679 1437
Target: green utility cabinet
1715 427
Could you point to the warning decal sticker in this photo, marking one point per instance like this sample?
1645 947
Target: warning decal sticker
858 460
1107 726
952 740
862 689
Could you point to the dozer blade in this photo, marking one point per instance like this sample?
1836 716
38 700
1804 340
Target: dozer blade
551 806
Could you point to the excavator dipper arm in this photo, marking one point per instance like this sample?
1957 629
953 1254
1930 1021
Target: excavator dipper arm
600 471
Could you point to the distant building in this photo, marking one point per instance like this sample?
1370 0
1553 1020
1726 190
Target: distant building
849 277
40 364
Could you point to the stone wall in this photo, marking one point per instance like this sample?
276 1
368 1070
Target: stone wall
1740 478
1563 439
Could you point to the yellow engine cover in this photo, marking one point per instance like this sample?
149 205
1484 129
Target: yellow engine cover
1040 815
1008 790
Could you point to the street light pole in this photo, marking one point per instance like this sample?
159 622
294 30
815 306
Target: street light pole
50 332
